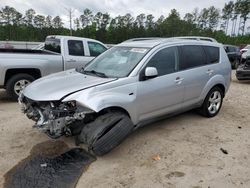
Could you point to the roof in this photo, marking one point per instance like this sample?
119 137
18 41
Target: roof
152 42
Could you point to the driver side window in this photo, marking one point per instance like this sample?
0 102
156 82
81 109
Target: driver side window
165 61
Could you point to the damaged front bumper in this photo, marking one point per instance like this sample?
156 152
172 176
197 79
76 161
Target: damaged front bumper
54 118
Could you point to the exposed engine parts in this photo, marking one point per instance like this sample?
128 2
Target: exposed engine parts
53 118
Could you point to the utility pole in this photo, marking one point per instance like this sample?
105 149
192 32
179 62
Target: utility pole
70 14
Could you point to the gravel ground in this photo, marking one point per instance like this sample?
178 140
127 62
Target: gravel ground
183 151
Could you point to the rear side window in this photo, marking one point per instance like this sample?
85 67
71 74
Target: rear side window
75 48
213 54
165 61
95 49
53 45
192 56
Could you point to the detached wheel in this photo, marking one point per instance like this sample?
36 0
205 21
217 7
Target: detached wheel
106 132
17 83
212 103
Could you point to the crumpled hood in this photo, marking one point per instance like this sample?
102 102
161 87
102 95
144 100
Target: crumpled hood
56 86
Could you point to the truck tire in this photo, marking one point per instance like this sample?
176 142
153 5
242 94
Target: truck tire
17 83
106 132
212 103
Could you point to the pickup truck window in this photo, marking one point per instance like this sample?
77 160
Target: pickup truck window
96 49
75 48
53 45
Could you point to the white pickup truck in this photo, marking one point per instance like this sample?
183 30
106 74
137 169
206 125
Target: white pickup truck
20 67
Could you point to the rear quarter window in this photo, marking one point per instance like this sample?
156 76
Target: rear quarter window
213 54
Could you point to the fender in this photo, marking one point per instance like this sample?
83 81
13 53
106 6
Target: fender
121 97
215 80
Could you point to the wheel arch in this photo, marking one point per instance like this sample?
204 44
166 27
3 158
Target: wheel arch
34 72
115 108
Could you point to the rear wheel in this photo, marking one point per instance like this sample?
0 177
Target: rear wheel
17 83
106 132
212 103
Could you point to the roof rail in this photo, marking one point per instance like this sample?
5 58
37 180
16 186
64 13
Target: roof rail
142 39
197 38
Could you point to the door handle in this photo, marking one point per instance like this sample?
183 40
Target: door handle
179 80
210 72
71 60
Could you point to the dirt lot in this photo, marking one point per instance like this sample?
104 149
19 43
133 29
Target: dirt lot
185 148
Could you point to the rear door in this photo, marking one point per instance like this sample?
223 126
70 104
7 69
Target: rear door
197 67
75 54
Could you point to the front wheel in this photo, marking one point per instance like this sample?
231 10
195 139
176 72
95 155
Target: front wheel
17 83
212 103
106 132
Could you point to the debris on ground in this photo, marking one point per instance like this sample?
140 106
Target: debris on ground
224 151
156 158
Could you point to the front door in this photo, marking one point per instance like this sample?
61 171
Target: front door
163 94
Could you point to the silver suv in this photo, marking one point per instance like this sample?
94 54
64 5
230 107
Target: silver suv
125 87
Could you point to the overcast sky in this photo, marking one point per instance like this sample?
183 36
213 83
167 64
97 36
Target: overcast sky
113 7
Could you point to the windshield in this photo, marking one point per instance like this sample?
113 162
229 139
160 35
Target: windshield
117 62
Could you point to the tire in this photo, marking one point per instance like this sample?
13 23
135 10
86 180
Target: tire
211 109
106 132
19 80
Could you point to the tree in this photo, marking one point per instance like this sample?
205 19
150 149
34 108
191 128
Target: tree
77 23
29 17
242 7
57 22
86 18
98 20
213 17
203 18
140 20
227 15
149 24
48 21
39 21
10 16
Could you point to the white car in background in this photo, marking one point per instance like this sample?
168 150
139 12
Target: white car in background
243 50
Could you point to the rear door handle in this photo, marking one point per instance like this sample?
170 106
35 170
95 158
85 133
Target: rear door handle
179 80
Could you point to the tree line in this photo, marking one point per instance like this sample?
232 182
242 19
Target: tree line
227 25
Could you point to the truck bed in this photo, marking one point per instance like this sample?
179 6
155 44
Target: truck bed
26 51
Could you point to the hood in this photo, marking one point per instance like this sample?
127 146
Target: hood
56 86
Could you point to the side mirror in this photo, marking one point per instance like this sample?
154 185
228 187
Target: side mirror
151 72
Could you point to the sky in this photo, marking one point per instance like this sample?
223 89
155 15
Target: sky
113 7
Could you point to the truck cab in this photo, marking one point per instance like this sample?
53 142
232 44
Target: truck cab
19 67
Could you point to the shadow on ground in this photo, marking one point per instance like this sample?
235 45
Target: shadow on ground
4 98
50 164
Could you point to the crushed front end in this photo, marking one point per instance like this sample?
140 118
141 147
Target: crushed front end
55 118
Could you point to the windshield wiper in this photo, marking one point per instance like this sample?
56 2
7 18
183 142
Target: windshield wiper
100 74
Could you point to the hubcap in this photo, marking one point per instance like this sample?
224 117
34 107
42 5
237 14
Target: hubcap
20 85
214 102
